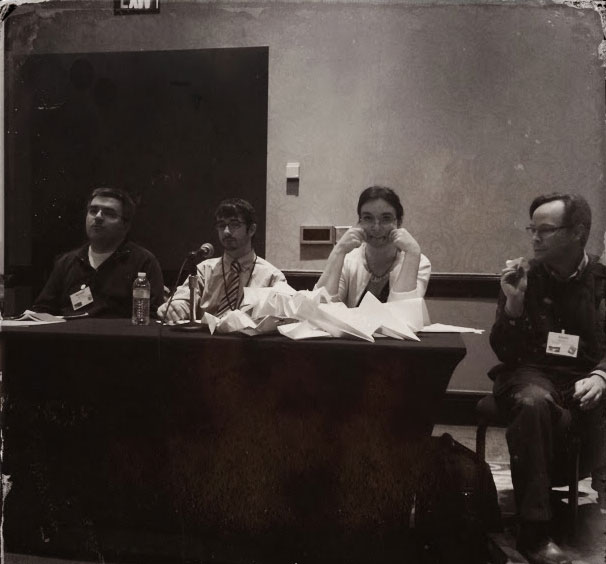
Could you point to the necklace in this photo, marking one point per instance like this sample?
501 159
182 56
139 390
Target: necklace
374 277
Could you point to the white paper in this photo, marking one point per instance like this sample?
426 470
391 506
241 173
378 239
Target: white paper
267 324
15 323
413 312
29 317
231 322
305 309
354 317
240 322
269 309
441 328
301 330
392 323
261 302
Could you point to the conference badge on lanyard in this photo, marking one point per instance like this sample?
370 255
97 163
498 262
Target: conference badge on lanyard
81 298
562 344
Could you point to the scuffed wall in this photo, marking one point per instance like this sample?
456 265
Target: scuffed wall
467 110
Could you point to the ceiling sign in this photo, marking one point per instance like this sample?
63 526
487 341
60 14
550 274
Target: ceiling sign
125 7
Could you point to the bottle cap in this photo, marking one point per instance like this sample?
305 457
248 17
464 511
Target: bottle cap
141 274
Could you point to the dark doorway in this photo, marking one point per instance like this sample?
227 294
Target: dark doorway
179 129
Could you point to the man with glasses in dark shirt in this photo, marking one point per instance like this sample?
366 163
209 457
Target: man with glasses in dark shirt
97 278
549 336
221 281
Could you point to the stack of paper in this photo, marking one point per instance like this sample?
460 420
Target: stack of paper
305 315
29 317
260 302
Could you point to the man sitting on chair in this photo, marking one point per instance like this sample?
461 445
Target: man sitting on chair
97 278
549 335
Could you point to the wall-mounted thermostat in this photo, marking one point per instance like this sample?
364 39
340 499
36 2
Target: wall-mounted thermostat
317 235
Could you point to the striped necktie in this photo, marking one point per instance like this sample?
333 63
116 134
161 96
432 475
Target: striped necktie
231 280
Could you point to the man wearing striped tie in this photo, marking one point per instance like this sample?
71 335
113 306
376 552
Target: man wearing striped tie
221 280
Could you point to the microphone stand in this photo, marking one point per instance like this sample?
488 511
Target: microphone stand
192 324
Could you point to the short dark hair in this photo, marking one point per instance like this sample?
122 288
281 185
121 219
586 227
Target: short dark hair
383 193
128 203
234 207
576 210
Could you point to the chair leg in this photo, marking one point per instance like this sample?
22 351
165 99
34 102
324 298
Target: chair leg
573 487
481 441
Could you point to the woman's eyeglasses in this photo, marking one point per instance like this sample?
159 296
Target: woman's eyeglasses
384 220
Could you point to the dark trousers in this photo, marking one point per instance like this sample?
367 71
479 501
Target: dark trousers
541 415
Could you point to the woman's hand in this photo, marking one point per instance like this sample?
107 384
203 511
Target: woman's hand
350 240
404 241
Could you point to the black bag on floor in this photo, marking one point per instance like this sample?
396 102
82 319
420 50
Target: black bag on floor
456 505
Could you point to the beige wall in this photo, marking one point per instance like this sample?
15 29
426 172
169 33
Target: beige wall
470 374
468 110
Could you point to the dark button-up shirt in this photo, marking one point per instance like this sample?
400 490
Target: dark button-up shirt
575 305
111 284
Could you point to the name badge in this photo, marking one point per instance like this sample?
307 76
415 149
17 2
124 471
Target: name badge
81 298
562 344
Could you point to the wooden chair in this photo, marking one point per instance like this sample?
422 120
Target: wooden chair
488 415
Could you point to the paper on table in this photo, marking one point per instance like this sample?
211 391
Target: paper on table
260 302
239 321
29 317
413 312
316 296
371 318
441 328
400 333
391 324
270 307
301 330
267 324
26 323
305 309
232 321
352 316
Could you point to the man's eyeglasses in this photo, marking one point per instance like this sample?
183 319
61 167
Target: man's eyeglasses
233 225
384 220
105 212
544 232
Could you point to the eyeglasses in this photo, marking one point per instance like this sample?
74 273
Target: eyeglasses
105 212
233 225
384 220
544 232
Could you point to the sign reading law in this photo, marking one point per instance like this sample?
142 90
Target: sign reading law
123 7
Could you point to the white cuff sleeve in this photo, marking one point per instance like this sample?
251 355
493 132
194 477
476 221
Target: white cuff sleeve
398 296
599 373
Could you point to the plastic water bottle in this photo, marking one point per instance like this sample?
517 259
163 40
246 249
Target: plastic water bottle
141 292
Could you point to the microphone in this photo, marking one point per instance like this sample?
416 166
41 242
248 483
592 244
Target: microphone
205 251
